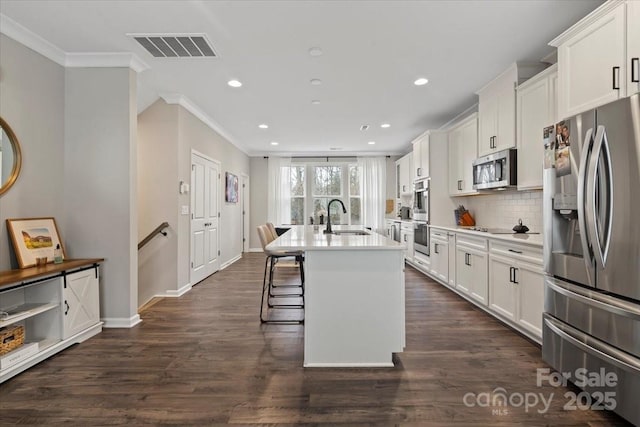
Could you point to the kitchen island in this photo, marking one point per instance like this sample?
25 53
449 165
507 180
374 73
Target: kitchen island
354 296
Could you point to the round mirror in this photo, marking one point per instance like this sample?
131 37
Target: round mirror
10 157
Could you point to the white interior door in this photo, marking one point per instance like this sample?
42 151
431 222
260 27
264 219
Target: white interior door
205 212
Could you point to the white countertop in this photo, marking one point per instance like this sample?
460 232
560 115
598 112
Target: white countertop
301 237
523 238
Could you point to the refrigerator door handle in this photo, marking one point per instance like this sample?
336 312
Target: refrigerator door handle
582 184
601 249
593 346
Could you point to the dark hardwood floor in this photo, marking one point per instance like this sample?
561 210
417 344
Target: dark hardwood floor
205 358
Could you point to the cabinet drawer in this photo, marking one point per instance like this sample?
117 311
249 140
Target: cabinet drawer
440 235
519 252
471 242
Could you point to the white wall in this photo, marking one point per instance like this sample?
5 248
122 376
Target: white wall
100 182
503 209
32 103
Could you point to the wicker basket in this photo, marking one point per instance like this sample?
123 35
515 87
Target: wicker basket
11 338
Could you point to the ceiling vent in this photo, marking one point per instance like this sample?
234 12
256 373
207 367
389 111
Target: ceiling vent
176 45
364 127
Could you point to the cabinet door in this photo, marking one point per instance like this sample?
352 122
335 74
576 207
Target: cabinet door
506 135
488 123
530 285
633 47
440 260
479 276
80 305
533 115
587 61
502 292
463 271
417 159
468 153
454 162
408 241
424 156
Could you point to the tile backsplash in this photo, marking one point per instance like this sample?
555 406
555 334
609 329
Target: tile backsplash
504 209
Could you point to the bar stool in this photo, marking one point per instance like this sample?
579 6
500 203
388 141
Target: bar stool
299 258
267 286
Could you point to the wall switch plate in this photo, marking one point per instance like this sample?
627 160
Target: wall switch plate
184 210
184 187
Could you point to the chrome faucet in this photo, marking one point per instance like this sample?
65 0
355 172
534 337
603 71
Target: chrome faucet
328 230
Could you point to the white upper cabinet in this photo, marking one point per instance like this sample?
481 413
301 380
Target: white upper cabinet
404 172
536 109
497 108
633 47
463 145
592 61
421 156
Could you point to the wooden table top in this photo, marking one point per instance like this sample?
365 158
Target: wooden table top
11 277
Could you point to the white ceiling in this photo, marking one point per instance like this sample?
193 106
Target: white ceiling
372 53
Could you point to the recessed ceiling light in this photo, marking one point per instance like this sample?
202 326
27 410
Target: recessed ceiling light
385 125
315 51
234 83
335 148
371 142
263 126
421 81
274 143
315 101
315 82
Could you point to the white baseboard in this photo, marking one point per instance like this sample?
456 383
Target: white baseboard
255 250
231 261
173 293
121 322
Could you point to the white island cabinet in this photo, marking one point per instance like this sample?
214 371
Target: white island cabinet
354 313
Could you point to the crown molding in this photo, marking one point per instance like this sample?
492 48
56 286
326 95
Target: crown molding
190 106
17 32
585 22
33 41
106 60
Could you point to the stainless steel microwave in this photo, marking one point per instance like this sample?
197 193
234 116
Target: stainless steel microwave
497 170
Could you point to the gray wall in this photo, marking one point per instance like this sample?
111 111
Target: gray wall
259 190
158 199
32 103
167 134
100 181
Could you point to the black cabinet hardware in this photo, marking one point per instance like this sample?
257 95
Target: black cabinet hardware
616 78
435 248
66 311
635 64
511 275
514 251
515 279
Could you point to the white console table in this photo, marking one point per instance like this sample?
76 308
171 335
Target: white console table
57 304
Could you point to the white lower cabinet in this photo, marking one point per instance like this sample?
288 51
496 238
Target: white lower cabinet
56 310
406 238
471 268
81 303
516 286
440 255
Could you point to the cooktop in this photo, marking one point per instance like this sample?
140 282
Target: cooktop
498 230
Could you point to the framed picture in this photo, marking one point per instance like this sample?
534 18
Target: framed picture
34 238
231 188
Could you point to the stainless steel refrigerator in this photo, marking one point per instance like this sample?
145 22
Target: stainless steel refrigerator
592 252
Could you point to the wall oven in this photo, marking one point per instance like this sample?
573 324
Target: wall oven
421 200
421 237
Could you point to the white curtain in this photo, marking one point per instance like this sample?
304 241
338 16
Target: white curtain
279 190
374 190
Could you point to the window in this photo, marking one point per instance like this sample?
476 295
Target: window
355 195
312 186
295 175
